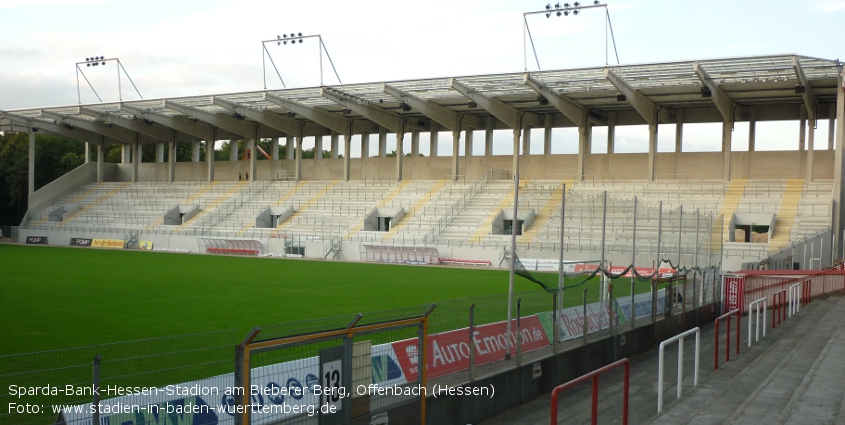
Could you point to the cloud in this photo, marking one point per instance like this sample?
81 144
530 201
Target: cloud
831 6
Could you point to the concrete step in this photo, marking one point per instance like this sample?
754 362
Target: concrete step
756 388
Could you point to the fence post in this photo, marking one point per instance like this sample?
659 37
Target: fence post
633 309
95 401
518 332
555 325
472 342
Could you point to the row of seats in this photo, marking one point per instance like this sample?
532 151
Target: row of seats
466 262
232 251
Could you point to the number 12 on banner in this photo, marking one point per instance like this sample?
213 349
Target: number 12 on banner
332 381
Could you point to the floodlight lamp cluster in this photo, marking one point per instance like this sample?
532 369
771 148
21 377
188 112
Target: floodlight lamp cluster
565 9
284 38
94 61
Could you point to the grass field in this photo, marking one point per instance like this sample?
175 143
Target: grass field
65 297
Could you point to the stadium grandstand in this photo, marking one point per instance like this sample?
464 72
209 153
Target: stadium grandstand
694 232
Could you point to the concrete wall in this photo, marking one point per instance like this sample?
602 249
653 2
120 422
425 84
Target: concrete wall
53 191
619 166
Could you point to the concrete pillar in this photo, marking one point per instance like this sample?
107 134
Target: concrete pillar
810 146
679 131
652 151
318 147
515 166
727 130
171 162
456 140
838 160
365 145
333 148
195 151
159 152
468 142
802 132
100 146
347 149
611 131
831 127
583 151
298 156
526 141
209 158
289 147
432 149
140 152
233 150
399 154
252 157
382 142
274 147
415 143
31 161
752 128
137 160
125 154
488 136
87 152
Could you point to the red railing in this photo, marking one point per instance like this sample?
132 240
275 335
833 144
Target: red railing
727 315
594 375
778 307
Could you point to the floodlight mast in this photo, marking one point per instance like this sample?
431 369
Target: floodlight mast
293 39
101 61
565 10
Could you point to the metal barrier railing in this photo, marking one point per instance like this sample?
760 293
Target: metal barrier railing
794 299
727 315
778 307
680 339
755 321
594 376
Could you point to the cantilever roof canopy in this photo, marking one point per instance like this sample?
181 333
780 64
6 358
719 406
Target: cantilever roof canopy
761 80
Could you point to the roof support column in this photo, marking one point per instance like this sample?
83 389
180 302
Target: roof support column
468 142
274 147
253 154
583 150
831 127
31 161
811 135
233 150
87 152
298 155
365 145
456 140
752 128
526 141
209 158
727 130
318 147
334 144
125 154
547 134
159 151
100 146
611 131
347 154
382 142
289 143
802 131
838 160
652 150
516 133
171 162
488 136
195 151
415 143
679 131
400 136
137 158
433 139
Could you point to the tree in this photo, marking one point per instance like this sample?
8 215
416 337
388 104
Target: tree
407 155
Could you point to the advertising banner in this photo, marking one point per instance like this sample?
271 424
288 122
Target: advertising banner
80 241
734 293
146 245
448 352
107 243
643 271
571 320
36 240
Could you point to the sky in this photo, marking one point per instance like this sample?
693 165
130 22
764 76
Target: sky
191 47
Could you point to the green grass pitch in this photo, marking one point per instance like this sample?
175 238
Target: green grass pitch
55 297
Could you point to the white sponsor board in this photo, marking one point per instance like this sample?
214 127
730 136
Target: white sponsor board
547 265
571 320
